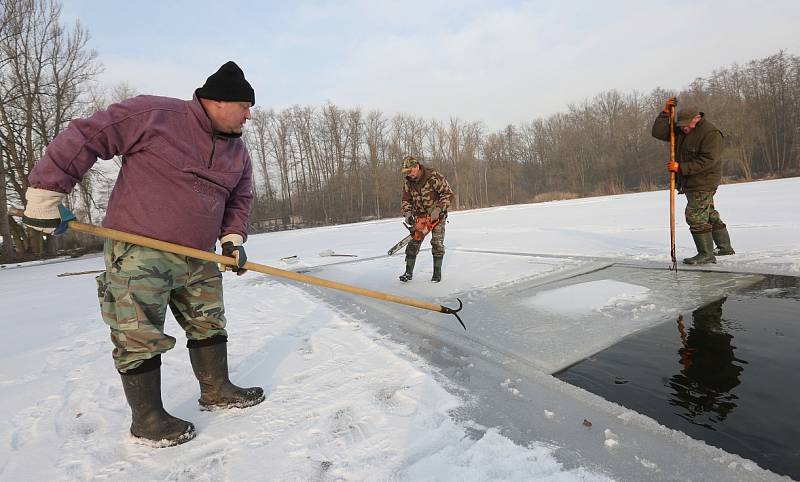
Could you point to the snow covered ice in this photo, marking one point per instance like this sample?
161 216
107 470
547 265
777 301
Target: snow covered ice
364 390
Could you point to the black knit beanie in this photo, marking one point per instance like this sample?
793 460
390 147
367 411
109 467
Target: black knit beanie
228 84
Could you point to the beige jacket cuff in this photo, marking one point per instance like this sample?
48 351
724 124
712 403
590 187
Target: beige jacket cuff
42 204
236 239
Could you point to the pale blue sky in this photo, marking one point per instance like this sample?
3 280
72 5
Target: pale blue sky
499 62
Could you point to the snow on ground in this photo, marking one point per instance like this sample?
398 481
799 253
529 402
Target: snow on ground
344 402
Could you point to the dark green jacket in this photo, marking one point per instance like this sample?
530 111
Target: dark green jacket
699 154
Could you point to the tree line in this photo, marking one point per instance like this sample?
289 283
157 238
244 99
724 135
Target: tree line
326 164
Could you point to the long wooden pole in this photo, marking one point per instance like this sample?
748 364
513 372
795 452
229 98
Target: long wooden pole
672 189
261 268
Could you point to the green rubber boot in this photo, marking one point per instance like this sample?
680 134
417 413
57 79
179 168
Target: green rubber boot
149 421
705 249
437 269
410 261
723 241
209 359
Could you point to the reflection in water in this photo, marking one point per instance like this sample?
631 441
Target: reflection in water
709 370
701 385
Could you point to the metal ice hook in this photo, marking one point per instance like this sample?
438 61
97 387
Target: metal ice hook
454 312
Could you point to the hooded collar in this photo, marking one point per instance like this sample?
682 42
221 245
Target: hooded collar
200 113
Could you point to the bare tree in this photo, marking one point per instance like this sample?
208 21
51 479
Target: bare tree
258 142
278 127
375 133
771 85
10 29
598 146
44 74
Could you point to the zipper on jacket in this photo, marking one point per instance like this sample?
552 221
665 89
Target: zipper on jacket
213 148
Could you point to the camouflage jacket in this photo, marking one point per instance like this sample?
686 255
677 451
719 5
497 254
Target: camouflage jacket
420 196
699 154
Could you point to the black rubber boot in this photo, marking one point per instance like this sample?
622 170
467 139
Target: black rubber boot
705 249
437 269
410 261
210 364
723 241
149 420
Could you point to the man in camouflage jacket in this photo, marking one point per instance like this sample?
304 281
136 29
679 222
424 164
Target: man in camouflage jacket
186 178
425 192
698 173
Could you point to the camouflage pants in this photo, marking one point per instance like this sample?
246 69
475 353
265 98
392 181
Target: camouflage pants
701 216
135 290
437 242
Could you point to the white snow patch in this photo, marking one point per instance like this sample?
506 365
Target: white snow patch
612 439
583 299
647 464
510 386
471 461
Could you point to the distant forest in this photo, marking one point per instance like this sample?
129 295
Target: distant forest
318 165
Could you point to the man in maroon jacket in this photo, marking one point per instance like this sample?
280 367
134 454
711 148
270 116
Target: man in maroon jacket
186 178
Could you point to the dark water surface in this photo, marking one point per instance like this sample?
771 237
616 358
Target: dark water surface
726 373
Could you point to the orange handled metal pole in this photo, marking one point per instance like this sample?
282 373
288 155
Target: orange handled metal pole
672 189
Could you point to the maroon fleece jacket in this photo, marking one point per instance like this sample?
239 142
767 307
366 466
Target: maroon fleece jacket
179 181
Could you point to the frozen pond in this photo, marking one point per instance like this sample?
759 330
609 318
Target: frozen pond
521 331
559 312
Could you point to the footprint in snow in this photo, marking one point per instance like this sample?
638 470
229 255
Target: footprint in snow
345 425
26 422
394 400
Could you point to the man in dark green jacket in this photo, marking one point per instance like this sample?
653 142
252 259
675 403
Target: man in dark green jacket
698 173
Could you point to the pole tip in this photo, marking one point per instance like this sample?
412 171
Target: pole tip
454 312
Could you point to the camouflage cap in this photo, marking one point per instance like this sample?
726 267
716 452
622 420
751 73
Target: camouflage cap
409 162
685 115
